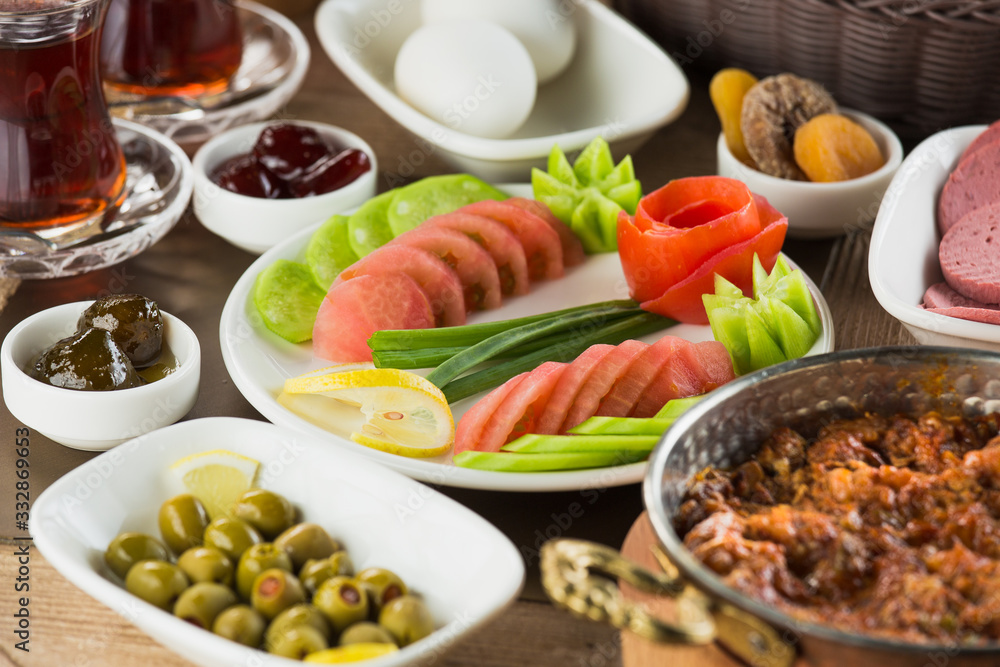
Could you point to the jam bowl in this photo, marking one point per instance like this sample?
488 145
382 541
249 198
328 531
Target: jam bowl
726 430
255 223
96 420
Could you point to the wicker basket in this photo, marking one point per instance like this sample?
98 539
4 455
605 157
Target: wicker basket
919 65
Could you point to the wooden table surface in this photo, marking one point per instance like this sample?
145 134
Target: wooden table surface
190 273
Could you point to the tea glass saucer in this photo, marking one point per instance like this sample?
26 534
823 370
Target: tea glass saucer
275 60
158 186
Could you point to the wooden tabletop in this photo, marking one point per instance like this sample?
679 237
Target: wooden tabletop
190 273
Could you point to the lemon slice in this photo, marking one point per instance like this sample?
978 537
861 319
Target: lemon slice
384 408
350 653
216 478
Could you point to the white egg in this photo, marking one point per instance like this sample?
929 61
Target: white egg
545 27
473 76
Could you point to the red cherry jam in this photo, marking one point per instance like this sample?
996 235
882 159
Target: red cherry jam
291 161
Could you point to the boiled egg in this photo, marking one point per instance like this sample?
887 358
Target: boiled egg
471 75
545 27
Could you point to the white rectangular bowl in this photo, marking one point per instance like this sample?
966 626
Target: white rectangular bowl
466 570
619 85
903 258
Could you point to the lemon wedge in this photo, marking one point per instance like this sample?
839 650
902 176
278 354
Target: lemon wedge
350 653
217 478
384 408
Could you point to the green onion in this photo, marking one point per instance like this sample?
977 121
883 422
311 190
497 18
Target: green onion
470 334
568 349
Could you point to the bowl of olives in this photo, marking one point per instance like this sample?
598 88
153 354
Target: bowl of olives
257 184
326 555
92 374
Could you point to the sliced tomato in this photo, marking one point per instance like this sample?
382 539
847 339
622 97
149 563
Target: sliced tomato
436 279
679 227
470 426
571 246
564 394
518 412
470 261
500 242
630 387
694 369
541 244
683 302
355 309
602 377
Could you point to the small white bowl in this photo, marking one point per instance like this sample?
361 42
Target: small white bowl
619 85
903 257
94 420
466 570
255 224
822 210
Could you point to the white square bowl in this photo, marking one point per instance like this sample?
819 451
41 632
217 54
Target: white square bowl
465 568
903 258
619 85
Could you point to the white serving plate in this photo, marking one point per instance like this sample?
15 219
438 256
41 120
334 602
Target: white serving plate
619 85
465 568
259 363
903 259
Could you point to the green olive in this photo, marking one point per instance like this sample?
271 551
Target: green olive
133 321
268 512
297 642
299 614
383 585
127 549
231 536
241 623
305 541
316 571
274 591
343 601
182 521
255 560
207 564
202 603
157 582
366 632
407 619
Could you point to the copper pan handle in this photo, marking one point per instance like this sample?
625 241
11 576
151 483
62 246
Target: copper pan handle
571 572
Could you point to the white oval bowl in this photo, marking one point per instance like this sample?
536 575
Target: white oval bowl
94 420
255 224
822 210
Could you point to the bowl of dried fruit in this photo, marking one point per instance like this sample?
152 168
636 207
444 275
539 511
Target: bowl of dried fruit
257 184
825 167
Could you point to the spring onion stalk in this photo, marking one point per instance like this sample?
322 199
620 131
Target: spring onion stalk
576 326
470 334
612 333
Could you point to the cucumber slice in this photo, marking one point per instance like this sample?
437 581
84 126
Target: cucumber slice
622 426
560 168
515 462
793 291
725 288
559 197
623 174
792 332
329 250
532 443
414 203
368 227
676 407
764 350
594 163
729 328
626 195
287 299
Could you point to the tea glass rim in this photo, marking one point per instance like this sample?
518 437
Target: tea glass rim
71 5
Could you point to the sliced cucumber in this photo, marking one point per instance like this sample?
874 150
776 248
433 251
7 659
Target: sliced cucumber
329 250
369 226
674 408
791 332
764 349
287 299
622 426
414 203
515 462
532 443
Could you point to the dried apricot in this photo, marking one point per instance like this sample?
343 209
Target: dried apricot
831 147
772 111
727 89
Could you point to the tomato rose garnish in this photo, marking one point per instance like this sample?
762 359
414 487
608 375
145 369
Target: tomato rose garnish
689 230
